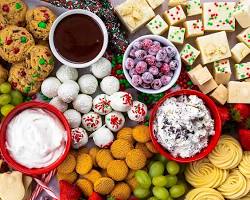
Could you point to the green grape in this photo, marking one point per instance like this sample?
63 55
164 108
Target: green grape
143 178
150 163
160 193
5 99
161 158
16 97
171 180
170 198
177 191
182 182
173 168
6 109
152 198
5 88
160 181
141 193
156 169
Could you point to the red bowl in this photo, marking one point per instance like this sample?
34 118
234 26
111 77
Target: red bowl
213 139
12 163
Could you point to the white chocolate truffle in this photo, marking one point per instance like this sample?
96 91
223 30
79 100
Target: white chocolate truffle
79 137
101 68
88 84
50 87
103 137
91 121
109 85
138 111
59 104
121 101
101 104
83 103
68 91
65 73
114 121
73 117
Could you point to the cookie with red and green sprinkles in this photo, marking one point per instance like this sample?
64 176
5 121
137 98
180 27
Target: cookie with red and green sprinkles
39 61
21 79
39 21
13 11
3 22
14 43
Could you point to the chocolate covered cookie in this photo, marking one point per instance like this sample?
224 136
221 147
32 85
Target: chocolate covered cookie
39 21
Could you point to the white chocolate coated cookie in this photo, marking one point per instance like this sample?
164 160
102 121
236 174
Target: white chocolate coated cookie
244 165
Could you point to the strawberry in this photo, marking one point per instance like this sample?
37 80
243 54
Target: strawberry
245 124
244 135
240 112
224 114
95 196
69 191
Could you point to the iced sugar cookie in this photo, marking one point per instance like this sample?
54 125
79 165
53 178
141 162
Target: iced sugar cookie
227 154
235 186
204 194
14 43
202 173
244 165
13 11
39 21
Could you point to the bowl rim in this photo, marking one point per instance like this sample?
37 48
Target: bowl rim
213 140
177 71
96 19
18 109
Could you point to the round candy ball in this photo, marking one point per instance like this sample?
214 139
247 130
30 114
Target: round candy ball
68 91
121 101
114 121
109 85
138 111
91 121
103 137
101 68
73 117
66 73
79 137
101 104
59 104
50 87
83 103
88 84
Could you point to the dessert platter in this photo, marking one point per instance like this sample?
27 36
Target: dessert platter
124 100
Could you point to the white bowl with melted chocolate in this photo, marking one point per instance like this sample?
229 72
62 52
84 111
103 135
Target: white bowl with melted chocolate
78 38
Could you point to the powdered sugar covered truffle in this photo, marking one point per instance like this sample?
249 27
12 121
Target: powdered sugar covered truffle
79 137
73 117
59 104
91 121
83 103
109 85
68 91
121 101
114 121
101 68
138 111
88 84
66 73
103 137
101 104
50 87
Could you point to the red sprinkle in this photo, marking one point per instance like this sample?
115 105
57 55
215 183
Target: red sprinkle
6 8
16 50
8 41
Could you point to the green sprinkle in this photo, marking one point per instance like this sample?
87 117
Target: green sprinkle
42 25
35 75
42 61
146 123
18 6
189 83
27 89
51 61
23 39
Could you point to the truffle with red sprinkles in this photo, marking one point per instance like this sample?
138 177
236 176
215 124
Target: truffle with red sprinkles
79 137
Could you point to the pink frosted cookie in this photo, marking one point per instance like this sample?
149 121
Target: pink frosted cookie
114 121
91 121
101 104
138 111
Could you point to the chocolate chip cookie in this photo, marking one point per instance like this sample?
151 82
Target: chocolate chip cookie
14 43
13 11
39 21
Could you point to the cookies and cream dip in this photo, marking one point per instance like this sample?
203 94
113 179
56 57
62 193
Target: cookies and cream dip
35 138
183 125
